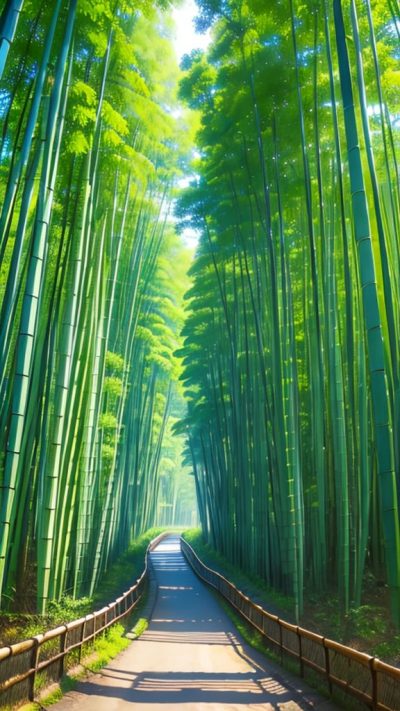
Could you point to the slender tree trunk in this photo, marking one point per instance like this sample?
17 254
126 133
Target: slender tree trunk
375 344
8 25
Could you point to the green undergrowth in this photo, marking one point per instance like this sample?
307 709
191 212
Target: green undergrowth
15 627
367 628
140 627
125 571
252 585
107 647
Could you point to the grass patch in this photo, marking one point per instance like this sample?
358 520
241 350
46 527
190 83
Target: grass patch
107 646
66 684
140 627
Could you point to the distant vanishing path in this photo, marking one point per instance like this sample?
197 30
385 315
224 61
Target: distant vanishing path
190 656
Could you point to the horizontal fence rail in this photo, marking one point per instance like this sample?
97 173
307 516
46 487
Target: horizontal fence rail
51 651
366 678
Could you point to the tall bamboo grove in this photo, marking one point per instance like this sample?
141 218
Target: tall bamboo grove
292 334
89 156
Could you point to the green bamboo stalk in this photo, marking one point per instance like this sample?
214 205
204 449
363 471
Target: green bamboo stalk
18 167
8 25
32 295
375 345
383 249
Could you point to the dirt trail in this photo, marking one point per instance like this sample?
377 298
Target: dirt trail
190 656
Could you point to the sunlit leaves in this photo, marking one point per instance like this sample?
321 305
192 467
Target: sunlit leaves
78 144
99 42
113 386
114 362
83 91
108 421
96 10
197 87
134 81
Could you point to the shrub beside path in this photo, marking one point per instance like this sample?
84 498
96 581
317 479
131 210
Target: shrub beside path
190 655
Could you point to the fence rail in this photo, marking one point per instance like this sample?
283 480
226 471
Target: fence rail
48 652
366 678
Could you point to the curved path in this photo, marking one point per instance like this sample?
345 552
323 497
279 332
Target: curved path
191 655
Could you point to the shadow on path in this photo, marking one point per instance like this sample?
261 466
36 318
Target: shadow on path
175 687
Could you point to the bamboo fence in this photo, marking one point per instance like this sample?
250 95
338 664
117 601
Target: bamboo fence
361 676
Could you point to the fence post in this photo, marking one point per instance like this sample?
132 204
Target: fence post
34 662
374 684
327 666
299 637
82 640
94 628
63 641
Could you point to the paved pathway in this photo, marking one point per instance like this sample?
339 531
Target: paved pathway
191 656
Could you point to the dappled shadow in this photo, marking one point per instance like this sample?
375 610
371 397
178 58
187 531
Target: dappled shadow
194 687
187 638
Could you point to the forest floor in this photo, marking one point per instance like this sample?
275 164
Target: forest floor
17 626
367 628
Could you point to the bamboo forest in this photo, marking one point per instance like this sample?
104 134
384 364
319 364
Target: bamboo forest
200 292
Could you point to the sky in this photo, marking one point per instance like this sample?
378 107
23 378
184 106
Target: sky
186 38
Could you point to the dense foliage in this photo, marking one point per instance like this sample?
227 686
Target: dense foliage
292 337
291 342
90 315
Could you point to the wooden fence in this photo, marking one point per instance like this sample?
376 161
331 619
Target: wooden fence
52 652
366 678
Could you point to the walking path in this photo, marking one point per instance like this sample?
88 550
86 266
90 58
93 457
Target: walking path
191 656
